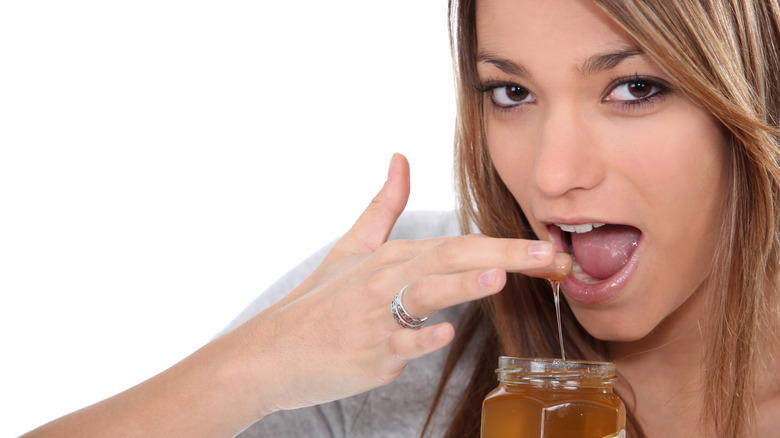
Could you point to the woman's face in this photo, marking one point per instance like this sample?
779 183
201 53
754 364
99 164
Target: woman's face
585 129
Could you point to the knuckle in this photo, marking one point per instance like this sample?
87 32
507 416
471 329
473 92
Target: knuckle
395 345
451 250
511 251
420 343
378 280
391 251
386 249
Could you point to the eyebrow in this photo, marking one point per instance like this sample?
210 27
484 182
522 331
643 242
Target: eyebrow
607 61
505 65
591 65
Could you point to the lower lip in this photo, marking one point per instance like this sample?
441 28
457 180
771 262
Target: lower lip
603 291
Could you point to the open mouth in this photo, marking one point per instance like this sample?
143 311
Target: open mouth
599 251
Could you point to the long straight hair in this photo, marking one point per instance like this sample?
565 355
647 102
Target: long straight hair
724 55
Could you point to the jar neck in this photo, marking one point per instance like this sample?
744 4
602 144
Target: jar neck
555 373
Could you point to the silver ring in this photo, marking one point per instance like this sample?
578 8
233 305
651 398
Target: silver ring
401 316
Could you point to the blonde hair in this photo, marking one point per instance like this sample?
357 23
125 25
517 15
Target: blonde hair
724 55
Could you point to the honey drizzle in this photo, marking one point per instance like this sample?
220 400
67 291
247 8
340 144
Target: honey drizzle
556 287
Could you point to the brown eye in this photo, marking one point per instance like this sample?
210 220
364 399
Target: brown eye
510 95
639 89
517 94
635 90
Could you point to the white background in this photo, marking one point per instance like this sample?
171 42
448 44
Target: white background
162 162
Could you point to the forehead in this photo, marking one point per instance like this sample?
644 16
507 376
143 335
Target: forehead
571 29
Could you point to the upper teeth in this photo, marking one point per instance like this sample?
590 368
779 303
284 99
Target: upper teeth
581 228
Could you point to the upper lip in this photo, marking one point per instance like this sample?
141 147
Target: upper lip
573 221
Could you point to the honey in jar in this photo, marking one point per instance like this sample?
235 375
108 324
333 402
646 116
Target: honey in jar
552 398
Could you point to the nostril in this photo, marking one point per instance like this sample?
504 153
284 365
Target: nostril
551 182
561 179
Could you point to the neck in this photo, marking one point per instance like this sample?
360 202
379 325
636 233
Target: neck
661 374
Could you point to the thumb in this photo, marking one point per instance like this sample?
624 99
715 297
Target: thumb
374 225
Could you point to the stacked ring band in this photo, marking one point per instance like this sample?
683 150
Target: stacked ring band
401 316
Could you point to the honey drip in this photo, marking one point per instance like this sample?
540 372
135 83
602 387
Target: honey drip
556 287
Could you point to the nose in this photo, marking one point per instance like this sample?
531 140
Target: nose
567 155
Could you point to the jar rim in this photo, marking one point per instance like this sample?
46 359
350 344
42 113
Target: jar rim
539 365
540 370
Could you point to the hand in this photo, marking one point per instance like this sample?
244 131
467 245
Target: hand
334 335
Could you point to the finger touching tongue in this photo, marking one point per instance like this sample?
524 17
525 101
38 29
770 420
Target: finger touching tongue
603 251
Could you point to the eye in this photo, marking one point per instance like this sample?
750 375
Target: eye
634 90
509 95
505 96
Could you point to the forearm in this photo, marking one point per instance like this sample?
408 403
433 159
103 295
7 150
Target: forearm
205 395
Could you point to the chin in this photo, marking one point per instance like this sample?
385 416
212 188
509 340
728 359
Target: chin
605 327
612 336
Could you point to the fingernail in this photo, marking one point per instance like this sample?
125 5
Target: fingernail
540 250
487 278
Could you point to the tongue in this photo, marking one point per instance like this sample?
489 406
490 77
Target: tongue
603 251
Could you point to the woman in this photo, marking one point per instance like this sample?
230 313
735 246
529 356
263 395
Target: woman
681 147
640 138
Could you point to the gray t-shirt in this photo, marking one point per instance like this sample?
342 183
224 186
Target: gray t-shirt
398 409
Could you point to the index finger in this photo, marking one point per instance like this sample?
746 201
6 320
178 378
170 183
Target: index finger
531 257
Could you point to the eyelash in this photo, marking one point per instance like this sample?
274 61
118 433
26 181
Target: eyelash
487 89
640 103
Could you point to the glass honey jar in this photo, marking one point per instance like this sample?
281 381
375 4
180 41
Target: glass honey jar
546 398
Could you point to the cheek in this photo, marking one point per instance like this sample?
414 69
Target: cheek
679 166
679 180
679 160
697 179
